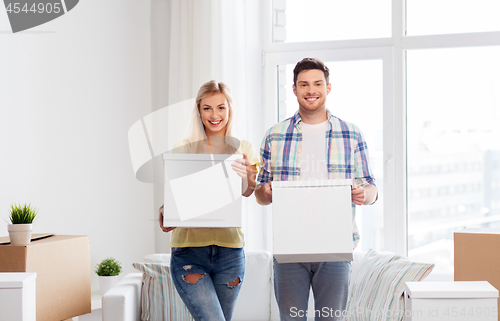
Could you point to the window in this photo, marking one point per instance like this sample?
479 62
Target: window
432 17
320 20
453 145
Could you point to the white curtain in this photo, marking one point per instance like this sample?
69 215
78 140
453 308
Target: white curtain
221 40
207 41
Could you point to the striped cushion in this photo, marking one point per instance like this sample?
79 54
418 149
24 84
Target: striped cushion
160 300
377 292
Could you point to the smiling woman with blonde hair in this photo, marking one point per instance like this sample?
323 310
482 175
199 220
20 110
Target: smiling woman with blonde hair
208 264
222 135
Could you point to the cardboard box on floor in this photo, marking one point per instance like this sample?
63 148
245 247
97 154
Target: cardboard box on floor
477 257
62 264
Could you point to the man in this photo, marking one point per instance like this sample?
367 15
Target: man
299 148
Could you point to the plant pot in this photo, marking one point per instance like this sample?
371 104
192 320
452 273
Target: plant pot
106 283
20 234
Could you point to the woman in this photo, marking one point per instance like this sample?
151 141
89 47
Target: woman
208 264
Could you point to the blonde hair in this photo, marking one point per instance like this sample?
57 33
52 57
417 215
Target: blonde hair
196 132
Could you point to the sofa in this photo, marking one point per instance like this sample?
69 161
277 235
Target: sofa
256 300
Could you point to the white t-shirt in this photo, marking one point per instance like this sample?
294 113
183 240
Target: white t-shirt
313 164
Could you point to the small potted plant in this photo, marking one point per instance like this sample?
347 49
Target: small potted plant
108 271
21 227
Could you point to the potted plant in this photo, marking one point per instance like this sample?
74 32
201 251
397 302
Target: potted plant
108 271
21 227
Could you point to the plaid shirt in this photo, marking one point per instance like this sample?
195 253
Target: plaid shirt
346 154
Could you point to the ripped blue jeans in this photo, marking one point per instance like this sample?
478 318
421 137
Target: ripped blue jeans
208 279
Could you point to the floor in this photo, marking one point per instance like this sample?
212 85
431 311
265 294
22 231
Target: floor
96 315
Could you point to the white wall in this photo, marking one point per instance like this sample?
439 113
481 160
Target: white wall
160 58
69 91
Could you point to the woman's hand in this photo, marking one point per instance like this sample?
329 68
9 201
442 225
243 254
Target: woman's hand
160 220
242 167
247 172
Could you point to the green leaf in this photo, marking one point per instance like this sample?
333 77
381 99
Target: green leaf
22 214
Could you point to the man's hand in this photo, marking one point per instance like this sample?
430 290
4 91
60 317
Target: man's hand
358 195
264 194
364 195
160 220
268 192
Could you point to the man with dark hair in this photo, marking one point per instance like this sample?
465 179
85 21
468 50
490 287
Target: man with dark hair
298 149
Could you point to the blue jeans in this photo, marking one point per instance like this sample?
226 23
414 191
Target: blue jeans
329 282
218 273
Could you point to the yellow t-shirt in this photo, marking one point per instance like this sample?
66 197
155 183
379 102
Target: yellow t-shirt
227 237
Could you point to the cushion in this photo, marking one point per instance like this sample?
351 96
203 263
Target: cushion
377 290
160 300
357 262
158 258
